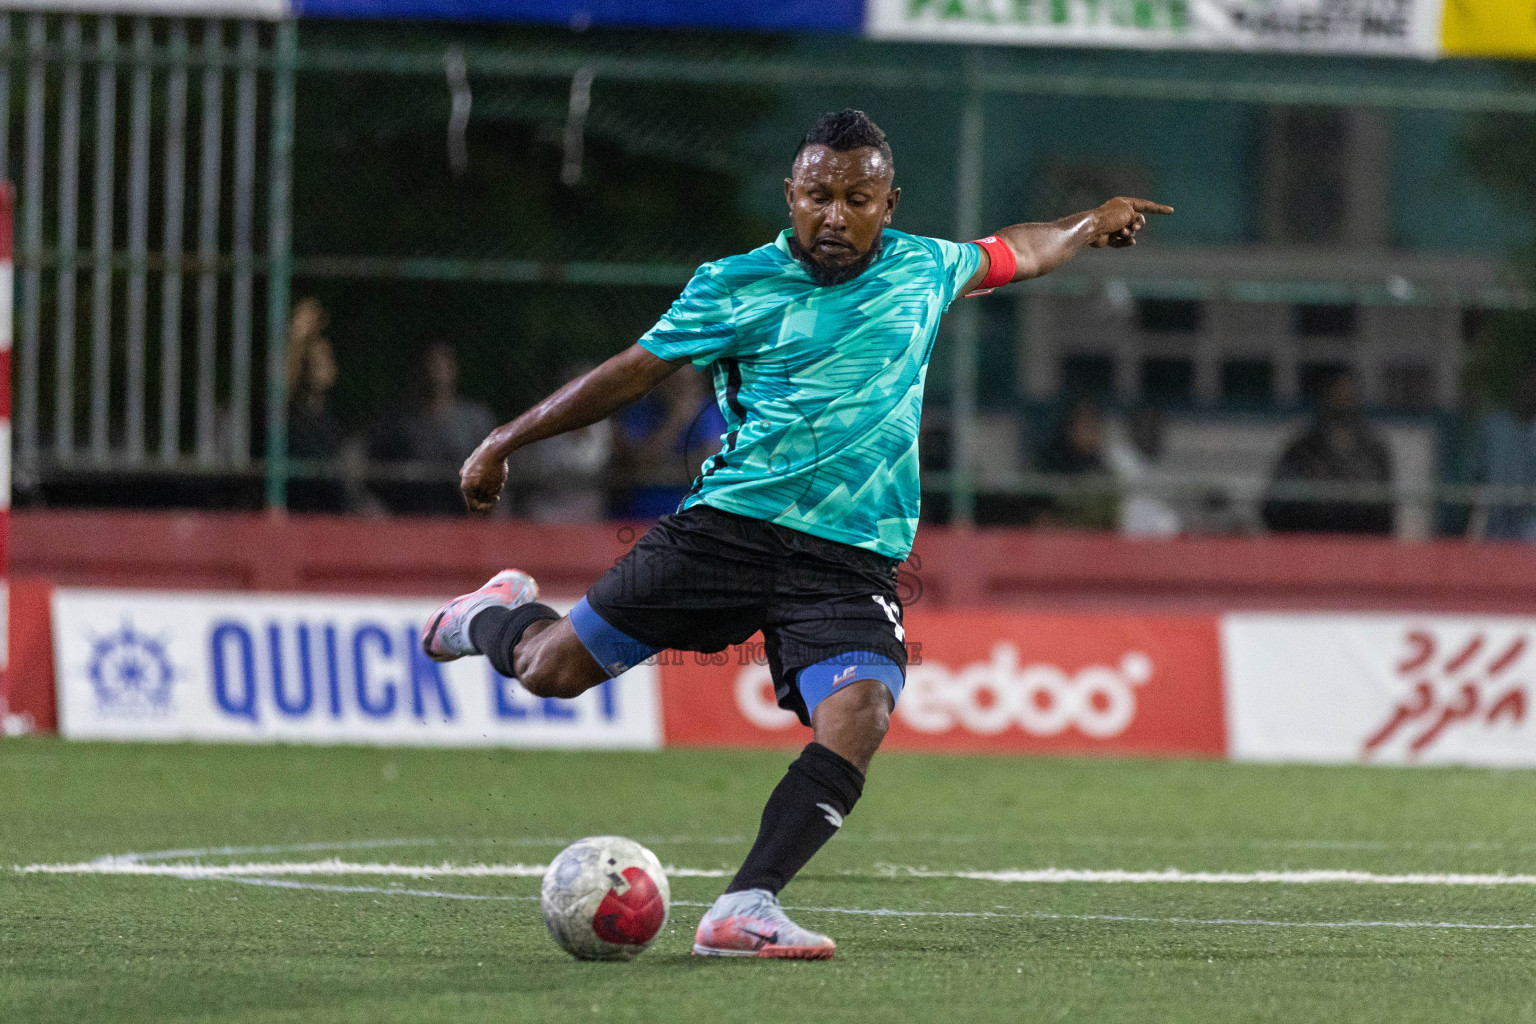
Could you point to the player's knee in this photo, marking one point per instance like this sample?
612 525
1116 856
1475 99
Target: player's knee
863 709
874 717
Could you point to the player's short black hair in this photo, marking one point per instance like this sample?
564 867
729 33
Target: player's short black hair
845 130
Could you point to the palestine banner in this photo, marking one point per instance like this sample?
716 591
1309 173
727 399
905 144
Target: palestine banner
1400 28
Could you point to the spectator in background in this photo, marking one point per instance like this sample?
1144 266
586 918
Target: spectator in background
1132 451
440 432
571 469
445 426
1504 455
1340 447
314 434
1077 453
660 442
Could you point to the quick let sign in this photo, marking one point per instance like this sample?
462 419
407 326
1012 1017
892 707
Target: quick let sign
138 665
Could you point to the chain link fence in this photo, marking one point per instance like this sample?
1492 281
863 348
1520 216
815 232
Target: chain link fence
529 200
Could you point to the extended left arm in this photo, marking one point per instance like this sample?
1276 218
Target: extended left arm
1040 248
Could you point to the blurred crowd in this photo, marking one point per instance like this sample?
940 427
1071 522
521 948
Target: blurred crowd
638 464
1097 468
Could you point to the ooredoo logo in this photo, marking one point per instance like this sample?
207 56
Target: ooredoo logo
986 698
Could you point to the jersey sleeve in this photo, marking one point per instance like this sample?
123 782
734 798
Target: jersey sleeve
958 262
700 325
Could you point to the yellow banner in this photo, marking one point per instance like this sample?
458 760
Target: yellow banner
1490 28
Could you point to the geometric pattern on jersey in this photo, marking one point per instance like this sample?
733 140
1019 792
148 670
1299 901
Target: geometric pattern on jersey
821 387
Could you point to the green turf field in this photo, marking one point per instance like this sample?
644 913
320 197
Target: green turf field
379 948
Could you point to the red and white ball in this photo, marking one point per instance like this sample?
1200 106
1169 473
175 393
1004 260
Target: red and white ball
605 898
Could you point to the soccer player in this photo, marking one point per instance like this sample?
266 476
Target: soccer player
818 344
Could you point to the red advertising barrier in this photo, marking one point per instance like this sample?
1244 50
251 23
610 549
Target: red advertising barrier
27 690
994 681
1036 570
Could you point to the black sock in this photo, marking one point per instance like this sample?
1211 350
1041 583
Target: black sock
495 632
805 810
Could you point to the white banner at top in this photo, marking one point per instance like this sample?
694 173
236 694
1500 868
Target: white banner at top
267 10
1401 28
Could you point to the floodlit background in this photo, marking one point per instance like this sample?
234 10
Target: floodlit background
304 263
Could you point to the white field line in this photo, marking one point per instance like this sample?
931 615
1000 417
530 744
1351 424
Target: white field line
886 912
280 883
1174 875
334 866
379 844
243 851
927 839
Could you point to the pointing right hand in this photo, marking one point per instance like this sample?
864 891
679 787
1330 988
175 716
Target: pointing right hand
1120 219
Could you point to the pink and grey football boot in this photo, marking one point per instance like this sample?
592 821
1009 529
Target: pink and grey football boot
751 923
447 638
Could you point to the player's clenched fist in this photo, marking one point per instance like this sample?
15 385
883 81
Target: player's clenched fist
482 477
1120 219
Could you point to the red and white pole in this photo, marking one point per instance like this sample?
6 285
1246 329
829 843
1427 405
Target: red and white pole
7 285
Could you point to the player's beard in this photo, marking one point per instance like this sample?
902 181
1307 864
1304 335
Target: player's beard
827 274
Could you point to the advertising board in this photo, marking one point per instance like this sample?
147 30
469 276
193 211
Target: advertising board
1490 28
144 665
1396 28
1404 28
1397 689
993 681
1323 687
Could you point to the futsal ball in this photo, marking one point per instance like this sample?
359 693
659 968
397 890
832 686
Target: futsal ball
605 898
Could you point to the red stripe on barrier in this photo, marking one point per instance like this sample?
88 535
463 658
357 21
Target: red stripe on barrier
30 689
5 391
979 568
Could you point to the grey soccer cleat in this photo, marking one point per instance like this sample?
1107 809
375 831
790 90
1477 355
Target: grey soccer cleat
751 923
448 637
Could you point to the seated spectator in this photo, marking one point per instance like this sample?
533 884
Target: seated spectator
314 435
1504 455
1078 452
440 432
660 442
1340 447
446 426
1132 452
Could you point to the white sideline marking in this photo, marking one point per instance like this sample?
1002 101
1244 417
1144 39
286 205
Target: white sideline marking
278 883
377 844
335 866
1109 842
239 851
1174 875
886 912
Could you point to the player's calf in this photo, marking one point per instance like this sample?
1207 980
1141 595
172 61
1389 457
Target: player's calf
555 663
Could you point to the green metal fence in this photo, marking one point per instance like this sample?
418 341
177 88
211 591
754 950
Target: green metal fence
111 395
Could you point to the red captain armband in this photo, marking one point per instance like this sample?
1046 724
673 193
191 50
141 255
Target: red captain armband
1003 267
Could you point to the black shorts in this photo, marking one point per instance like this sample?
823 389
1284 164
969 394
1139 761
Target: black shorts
703 580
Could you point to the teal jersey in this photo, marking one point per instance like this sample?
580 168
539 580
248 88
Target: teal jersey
821 387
